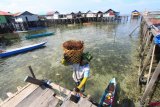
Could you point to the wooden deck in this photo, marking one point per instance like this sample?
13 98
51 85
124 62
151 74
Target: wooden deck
149 68
36 96
83 102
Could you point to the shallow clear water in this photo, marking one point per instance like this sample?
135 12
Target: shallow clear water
114 53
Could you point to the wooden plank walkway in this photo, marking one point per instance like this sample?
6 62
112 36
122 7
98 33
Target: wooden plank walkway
149 72
83 102
31 96
35 96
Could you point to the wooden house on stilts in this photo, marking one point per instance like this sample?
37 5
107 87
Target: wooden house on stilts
25 20
135 14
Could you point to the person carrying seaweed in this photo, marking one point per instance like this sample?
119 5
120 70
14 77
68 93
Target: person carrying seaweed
81 73
79 62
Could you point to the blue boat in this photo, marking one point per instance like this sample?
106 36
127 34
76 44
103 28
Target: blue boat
39 35
21 50
18 31
36 28
107 98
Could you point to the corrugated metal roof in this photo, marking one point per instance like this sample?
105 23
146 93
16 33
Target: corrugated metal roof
23 13
17 14
51 12
5 13
134 11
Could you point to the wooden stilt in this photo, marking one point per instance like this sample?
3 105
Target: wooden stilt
31 71
147 42
133 31
144 39
147 59
151 63
33 80
150 84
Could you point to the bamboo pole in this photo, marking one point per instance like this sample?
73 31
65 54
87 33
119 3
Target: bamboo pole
150 85
151 64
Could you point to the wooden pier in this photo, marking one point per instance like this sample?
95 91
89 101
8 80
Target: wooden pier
37 96
149 69
42 93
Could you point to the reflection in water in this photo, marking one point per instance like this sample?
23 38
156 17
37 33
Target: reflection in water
113 50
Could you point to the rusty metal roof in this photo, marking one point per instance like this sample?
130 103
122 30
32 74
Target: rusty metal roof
5 13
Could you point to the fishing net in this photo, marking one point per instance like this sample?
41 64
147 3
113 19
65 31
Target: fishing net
73 51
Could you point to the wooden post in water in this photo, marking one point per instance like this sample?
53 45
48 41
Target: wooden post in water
33 80
144 65
145 38
133 31
31 71
150 85
151 63
147 42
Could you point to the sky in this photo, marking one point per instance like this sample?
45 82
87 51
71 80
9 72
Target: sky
68 6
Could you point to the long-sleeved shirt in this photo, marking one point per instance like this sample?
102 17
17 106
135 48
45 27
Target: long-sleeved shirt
80 72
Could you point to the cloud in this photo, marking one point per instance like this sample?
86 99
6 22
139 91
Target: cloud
97 1
67 6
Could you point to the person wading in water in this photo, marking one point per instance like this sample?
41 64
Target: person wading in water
79 61
81 73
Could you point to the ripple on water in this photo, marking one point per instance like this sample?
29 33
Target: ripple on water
113 57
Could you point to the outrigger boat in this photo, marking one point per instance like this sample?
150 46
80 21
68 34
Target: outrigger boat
39 35
21 50
107 98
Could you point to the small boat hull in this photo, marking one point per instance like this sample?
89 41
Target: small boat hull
20 31
107 98
39 35
21 50
36 28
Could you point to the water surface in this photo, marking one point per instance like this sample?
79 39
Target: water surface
114 55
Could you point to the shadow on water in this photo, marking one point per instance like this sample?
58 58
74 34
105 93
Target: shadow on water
125 102
9 39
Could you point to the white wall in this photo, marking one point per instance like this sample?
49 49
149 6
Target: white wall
18 19
49 17
107 15
69 16
90 15
83 14
56 16
22 18
99 15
